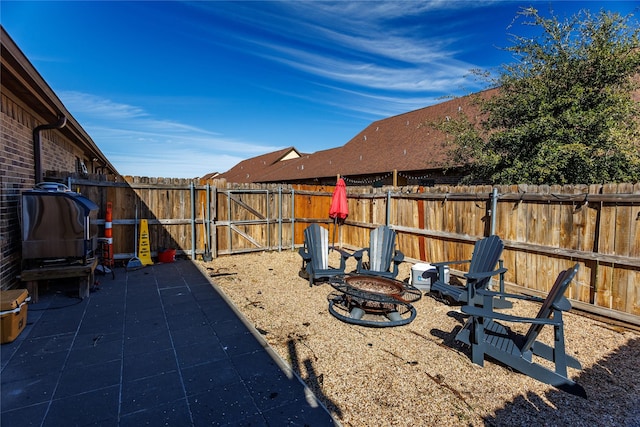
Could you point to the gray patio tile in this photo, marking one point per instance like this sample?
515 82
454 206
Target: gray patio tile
223 405
250 365
151 392
29 416
209 376
149 364
81 379
175 295
200 352
270 390
143 328
52 326
135 311
27 391
102 324
230 326
204 296
256 420
33 367
155 340
98 407
194 335
92 349
298 413
171 414
46 345
241 343
187 320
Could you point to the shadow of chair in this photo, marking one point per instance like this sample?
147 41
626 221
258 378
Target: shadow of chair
315 255
486 254
380 254
487 337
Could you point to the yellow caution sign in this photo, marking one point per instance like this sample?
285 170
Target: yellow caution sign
144 248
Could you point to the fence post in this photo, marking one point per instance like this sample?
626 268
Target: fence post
208 227
388 218
494 208
229 233
279 218
193 220
293 219
268 192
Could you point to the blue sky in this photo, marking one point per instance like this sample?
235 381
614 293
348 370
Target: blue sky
181 89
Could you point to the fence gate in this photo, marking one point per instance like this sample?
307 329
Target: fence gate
250 220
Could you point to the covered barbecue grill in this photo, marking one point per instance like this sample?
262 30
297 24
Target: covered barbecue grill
56 226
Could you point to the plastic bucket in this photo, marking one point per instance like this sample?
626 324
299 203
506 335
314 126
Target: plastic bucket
168 255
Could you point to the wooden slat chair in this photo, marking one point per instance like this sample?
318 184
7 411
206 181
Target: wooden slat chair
380 253
490 338
486 254
315 255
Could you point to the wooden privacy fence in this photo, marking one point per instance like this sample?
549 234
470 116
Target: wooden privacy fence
194 218
545 228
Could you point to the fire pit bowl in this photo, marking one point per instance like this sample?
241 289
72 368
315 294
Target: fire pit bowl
372 301
374 288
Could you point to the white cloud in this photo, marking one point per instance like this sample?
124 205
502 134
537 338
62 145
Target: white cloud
138 144
354 43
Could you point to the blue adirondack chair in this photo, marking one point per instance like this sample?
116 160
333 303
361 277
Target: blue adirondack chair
486 254
488 337
380 253
315 255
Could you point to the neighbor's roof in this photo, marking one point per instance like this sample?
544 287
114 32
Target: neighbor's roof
404 143
251 170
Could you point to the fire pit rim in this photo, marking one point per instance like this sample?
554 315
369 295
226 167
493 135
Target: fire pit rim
406 293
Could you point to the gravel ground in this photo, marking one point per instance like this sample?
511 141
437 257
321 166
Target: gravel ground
417 374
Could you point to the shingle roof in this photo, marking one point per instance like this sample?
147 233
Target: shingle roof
403 143
251 170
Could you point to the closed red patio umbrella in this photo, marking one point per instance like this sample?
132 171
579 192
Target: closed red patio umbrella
339 206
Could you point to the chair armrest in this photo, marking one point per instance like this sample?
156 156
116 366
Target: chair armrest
398 257
494 294
483 312
443 263
485 274
359 253
304 254
563 304
343 253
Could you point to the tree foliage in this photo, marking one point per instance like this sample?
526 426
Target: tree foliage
564 111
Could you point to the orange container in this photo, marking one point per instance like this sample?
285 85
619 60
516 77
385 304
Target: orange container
13 313
168 255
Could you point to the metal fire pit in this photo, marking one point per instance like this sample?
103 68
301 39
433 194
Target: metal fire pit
372 301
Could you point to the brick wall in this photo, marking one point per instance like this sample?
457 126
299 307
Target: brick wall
17 173
57 153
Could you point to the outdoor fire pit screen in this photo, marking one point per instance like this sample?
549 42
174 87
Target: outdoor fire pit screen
372 301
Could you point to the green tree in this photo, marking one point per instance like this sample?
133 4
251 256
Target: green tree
563 112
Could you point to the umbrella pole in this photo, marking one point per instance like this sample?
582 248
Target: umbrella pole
335 221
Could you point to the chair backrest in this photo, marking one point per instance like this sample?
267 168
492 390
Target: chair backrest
486 254
553 299
316 240
382 244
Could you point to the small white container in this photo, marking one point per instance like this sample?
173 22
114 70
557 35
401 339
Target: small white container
423 275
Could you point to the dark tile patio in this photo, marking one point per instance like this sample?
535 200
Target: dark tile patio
155 346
